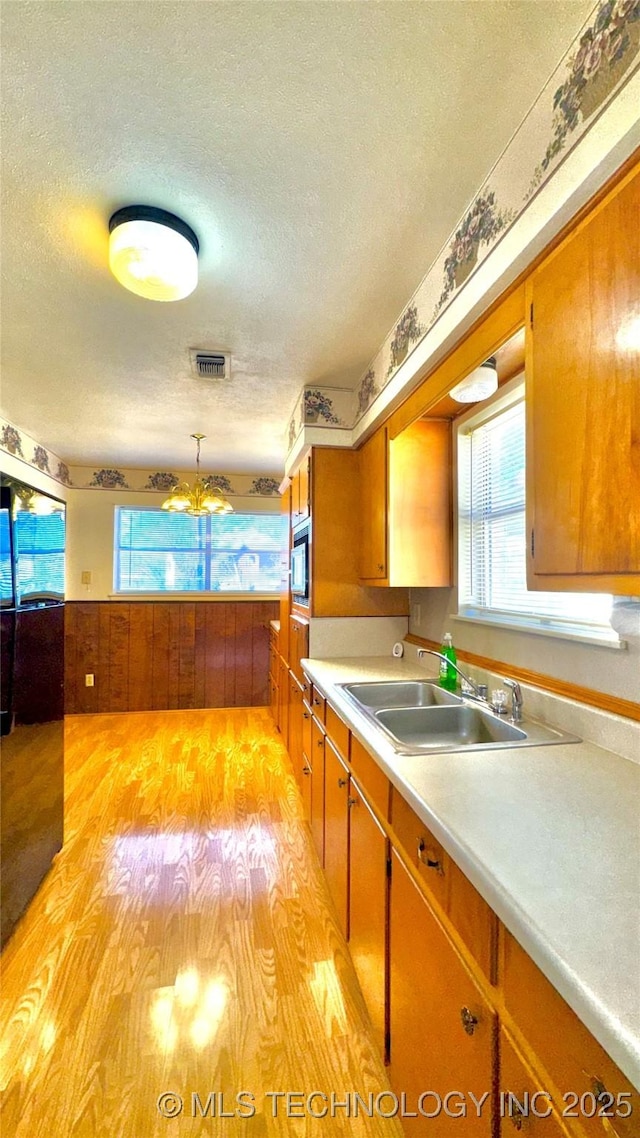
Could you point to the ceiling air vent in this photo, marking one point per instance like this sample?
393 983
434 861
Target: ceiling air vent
210 365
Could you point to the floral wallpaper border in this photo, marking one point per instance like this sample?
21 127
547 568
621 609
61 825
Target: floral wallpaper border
601 60
21 445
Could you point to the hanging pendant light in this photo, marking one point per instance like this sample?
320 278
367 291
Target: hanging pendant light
479 385
198 499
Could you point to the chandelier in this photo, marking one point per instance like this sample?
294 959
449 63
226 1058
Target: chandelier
199 499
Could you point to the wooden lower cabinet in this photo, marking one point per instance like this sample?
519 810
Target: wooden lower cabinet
283 701
443 1032
577 1064
368 855
336 831
274 696
524 1103
295 726
317 788
306 785
424 946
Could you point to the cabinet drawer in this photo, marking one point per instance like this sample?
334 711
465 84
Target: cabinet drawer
337 731
574 1060
523 1104
372 779
474 920
318 703
415 838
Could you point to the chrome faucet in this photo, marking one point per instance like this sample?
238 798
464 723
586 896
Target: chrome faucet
479 690
516 699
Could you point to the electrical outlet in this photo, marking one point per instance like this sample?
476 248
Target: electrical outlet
85 577
416 612
88 680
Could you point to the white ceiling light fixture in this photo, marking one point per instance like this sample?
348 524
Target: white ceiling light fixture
153 253
482 383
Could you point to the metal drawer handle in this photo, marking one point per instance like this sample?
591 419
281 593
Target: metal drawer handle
352 802
469 1021
342 782
306 770
305 714
380 568
319 742
430 862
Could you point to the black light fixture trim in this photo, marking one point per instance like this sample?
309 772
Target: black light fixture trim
159 216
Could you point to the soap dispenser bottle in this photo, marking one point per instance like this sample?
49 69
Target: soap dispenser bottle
448 675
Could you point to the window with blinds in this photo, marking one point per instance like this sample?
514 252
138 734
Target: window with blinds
39 550
492 533
158 552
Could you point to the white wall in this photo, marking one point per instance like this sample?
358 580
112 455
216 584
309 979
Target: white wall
610 670
90 529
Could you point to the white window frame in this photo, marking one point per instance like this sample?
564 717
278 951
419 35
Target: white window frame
584 631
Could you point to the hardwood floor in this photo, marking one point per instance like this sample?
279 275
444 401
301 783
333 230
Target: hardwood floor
183 942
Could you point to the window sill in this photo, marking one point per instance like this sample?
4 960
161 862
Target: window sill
191 597
574 635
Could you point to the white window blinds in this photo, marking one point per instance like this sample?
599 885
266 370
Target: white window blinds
492 535
234 553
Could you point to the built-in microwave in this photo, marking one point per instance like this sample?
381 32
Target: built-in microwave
300 565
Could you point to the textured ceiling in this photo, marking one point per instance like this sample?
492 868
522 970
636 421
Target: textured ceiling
322 152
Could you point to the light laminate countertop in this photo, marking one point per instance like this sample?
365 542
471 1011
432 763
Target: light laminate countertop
549 835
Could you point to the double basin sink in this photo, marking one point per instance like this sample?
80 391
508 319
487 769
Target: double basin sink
418 715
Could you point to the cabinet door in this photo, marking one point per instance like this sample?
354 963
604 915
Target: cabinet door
295 727
442 1031
419 505
307 785
285 592
523 1104
284 701
317 787
583 405
373 481
298 645
274 698
368 907
303 489
295 498
336 831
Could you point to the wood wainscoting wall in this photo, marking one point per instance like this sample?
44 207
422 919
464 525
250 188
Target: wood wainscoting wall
164 655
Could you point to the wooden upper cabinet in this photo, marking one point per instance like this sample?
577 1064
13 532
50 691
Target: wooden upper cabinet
420 505
336 528
303 488
406 506
583 404
285 591
373 481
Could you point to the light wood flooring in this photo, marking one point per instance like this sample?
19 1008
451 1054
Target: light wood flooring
184 941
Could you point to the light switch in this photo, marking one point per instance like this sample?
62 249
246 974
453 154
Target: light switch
85 577
88 680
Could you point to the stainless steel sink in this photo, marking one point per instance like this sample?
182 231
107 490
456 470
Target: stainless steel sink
447 727
396 693
418 716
